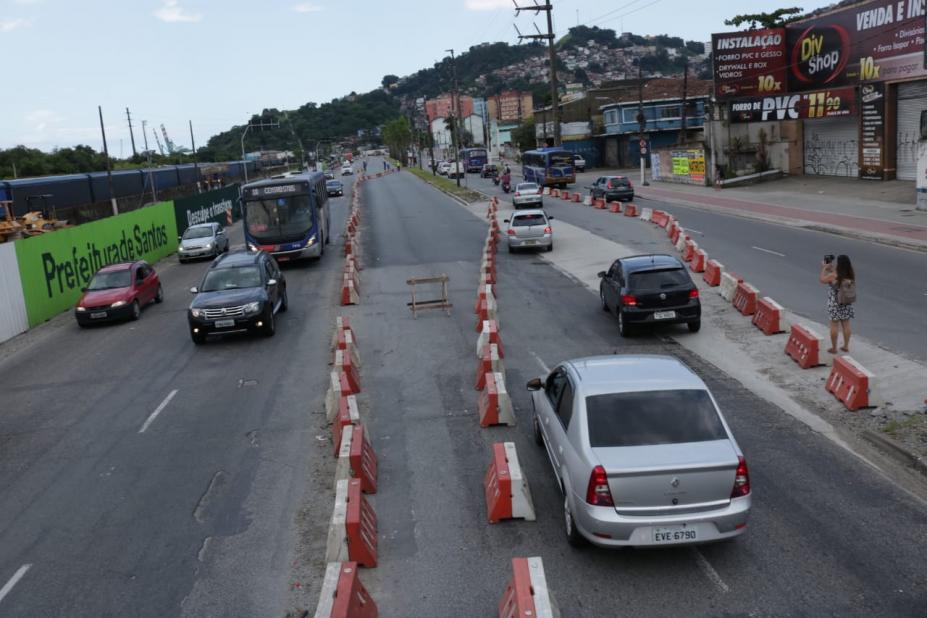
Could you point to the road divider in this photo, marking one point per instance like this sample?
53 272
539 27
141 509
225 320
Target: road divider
851 383
769 316
745 298
352 530
490 362
688 250
338 387
630 210
348 414
345 365
588 201
489 334
713 271
343 595
804 346
729 282
698 261
647 214
526 594
577 198
495 405
614 207
508 495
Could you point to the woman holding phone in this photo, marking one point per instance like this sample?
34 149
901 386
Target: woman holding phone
841 295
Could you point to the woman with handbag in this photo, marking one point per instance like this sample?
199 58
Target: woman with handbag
841 295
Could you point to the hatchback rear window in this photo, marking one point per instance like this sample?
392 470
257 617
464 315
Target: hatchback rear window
526 220
614 183
652 417
658 279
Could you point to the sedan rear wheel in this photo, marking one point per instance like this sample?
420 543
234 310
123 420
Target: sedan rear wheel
136 311
573 536
624 329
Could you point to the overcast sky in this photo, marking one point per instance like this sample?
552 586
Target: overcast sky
217 61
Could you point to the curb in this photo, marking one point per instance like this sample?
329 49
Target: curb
881 239
456 198
895 451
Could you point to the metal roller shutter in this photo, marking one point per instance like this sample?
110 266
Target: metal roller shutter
912 100
832 147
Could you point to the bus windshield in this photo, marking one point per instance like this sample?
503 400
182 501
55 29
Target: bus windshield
278 220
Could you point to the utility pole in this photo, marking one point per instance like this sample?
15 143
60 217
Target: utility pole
641 121
302 156
109 169
154 192
131 133
683 134
196 168
257 125
457 119
552 58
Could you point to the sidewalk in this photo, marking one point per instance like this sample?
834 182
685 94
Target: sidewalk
876 211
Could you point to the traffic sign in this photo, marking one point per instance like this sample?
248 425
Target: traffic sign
643 150
643 143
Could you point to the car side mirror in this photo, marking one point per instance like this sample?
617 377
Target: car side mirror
271 282
194 290
550 218
505 220
535 384
600 274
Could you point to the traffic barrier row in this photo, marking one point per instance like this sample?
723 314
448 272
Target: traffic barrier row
343 595
352 530
505 486
848 381
490 362
350 279
527 594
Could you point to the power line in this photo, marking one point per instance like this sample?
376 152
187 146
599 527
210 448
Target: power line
613 11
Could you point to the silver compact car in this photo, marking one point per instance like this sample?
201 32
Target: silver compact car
527 194
529 229
641 452
202 240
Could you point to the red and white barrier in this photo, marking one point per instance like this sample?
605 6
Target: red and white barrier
769 316
587 201
614 207
507 493
495 406
345 364
745 298
599 203
713 271
660 218
490 362
343 595
804 346
347 415
698 261
485 293
646 214
489 334
546 190
338 387
630 210
851 383
352 530
349 294
527 595
688 249
728 286
577 198
342 324
363 460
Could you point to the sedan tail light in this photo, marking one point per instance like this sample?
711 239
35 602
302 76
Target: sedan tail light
510 232
741 479
630 185
517 194
629 300
598 493
547 230
693 293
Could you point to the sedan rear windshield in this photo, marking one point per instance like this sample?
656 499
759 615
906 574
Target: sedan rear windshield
526 186
652 417
614 183
526 220
658 279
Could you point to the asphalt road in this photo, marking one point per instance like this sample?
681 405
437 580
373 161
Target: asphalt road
203 514
828 536
784 262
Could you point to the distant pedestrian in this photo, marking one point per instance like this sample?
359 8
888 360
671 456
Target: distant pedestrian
841 294
365 166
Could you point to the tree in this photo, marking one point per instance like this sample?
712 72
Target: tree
397 135
388 80
776 19
696 47
524 136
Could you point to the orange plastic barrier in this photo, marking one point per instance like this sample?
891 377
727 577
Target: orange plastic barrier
713 270
577 198
363 461
361 527
745 298
614 207
850 382
630 210
804 346
698 261
526 594
688 251
768 316
343 595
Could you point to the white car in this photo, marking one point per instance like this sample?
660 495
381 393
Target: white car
347 170
529 229
444 167
579 163
527 194
455 169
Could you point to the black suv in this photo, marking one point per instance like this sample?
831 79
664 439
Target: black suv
612 188
242 291
650 289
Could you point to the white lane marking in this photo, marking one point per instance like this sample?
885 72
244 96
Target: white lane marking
18 575
710 571
541 363
768 251
689 229
154 415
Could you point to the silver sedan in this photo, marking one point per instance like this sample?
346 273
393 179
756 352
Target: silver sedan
202 240
641 452
527 194
529 229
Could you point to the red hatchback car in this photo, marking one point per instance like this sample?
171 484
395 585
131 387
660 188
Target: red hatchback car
117 292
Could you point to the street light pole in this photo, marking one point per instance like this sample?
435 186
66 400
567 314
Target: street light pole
641 121
456 119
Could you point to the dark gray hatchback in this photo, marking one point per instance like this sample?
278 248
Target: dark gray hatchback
650 289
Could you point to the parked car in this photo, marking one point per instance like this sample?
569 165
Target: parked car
443 167
242 291
641 452
456 169
489 171
612 188
529 229
650 289
527 194
347 170
202 240
579 163
118 292
334 187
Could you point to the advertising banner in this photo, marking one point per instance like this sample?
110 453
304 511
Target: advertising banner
55 266
677 165
749 63
211 206
872 150
834 103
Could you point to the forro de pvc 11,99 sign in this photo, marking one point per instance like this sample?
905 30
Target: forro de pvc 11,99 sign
832 103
